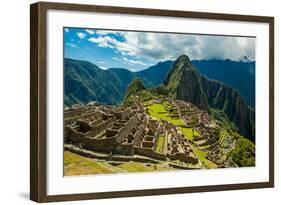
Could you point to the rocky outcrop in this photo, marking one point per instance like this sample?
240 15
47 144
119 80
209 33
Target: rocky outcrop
184 82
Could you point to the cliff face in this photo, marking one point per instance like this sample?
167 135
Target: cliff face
184 82
229 100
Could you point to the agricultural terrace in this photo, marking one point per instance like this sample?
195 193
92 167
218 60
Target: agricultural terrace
75 164
165 111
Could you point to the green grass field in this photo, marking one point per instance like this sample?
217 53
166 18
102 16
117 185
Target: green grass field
158 111
75 164
160 144
140 167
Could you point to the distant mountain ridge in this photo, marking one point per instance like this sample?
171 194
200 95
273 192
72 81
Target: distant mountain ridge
84 82
239 74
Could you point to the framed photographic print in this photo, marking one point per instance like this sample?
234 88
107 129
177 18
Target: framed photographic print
134 102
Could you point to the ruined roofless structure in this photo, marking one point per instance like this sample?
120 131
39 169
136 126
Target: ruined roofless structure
127 131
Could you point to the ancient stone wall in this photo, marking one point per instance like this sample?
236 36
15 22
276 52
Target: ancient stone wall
183 157
126 129
138 134
103 145
102 126
125 149
149 153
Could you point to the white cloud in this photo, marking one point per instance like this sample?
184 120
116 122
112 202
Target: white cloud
72 45
133 62
101 62
104 41
81 35
89 31
105 32
163 46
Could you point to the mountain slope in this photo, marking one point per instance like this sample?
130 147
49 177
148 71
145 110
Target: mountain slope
84 82
229 100
238 74
124 77
184 82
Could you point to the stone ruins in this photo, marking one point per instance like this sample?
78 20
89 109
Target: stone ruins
129 133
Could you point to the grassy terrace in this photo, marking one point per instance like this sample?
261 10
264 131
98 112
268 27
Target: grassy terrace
77 165
158 111
160 144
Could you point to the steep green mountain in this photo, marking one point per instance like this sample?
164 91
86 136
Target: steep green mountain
84 82
229 101
136 87
238 74
184 82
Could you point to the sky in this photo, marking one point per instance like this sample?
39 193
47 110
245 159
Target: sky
139 50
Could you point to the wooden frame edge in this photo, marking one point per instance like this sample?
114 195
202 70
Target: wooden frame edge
37 102
38 92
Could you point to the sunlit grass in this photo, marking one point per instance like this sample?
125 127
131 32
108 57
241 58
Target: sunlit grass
140 167
75 164
158 112
160 144
202 156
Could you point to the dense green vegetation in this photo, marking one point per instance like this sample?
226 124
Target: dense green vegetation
135 86
221 116
244 153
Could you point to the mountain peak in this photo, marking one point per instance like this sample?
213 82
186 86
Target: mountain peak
184 61
183 57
